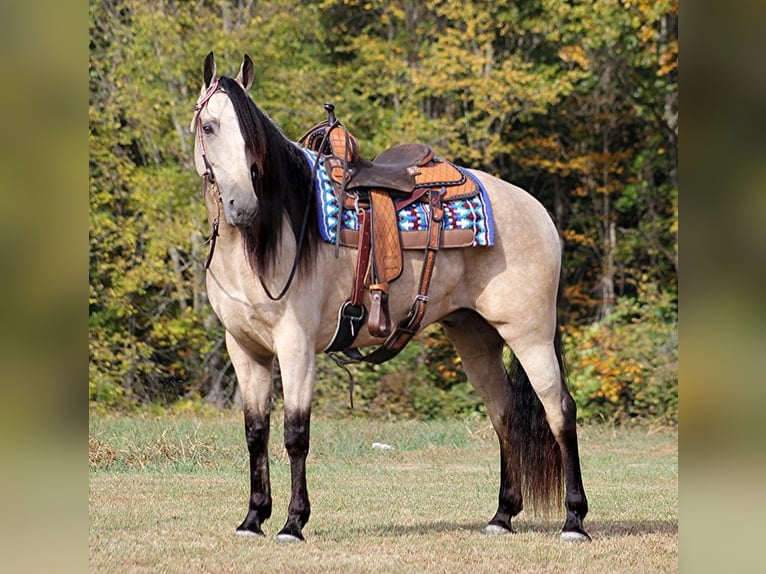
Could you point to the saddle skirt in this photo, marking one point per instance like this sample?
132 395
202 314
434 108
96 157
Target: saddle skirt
468 220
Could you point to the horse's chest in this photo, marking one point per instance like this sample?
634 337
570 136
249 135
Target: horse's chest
249 321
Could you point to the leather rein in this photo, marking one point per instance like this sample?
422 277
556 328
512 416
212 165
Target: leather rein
208 180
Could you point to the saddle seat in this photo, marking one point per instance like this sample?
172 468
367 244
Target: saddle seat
393 169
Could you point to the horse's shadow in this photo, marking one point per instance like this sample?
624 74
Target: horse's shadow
596 528
610 528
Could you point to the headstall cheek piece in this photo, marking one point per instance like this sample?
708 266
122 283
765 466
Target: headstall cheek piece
198 107
208 179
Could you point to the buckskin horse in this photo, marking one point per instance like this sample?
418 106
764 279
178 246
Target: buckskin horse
281 290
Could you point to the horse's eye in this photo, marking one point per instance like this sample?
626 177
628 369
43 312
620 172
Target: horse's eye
207 128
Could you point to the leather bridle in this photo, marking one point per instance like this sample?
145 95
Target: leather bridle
201 103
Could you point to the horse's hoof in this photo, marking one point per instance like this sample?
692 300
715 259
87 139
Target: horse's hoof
248 533
575 536
288 538
494 529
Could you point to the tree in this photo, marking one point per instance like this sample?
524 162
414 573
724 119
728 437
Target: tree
575 101
604 157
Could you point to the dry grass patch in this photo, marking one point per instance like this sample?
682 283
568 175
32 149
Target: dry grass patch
417 508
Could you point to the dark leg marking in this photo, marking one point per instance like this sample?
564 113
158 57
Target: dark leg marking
297 432
509 499
259 509
575 501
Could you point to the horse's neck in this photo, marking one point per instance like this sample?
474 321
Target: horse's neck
229 240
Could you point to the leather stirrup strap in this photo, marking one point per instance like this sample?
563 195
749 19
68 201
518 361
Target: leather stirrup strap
362 258
386 242
407 328
352 314
379 322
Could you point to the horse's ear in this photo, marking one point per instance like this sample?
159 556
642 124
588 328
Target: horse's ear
208 71
246 73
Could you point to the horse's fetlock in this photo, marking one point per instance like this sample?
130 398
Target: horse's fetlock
577 503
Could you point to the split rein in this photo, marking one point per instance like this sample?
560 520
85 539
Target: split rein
208 181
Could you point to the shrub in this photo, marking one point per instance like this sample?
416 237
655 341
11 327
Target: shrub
625 366
425 381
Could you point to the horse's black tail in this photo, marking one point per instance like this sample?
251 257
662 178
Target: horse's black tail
535 458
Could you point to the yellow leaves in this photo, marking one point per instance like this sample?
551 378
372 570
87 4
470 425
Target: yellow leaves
574 55
668 59
627 362
572 236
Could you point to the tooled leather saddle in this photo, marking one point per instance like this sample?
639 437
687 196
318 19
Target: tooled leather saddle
376 190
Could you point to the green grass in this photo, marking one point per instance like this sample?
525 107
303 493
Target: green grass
166 493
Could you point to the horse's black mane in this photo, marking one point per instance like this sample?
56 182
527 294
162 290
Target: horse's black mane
281 182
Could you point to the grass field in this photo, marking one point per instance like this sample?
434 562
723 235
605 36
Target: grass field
166 493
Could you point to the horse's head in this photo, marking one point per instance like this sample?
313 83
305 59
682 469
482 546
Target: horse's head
227 149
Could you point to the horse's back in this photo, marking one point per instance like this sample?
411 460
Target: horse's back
526 241
519 217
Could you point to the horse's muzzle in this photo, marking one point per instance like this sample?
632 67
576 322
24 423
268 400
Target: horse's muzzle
238 213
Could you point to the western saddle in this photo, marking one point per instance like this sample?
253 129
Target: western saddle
377 189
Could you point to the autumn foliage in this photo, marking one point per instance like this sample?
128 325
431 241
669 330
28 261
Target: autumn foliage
575 101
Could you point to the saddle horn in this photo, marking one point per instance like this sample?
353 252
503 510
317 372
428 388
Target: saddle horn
330 108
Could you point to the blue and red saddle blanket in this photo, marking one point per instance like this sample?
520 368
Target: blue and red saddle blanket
463 214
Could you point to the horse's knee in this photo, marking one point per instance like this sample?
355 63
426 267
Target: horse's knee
256 433
297 429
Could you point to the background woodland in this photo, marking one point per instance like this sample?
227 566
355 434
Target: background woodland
576 101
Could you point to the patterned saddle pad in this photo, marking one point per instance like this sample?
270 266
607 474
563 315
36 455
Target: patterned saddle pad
467 222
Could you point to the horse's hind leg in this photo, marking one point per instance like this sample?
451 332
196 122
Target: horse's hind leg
481 351
255 381
541 366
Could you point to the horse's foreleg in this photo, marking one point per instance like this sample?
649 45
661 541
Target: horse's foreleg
297 365
255 381
297 444
481 351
